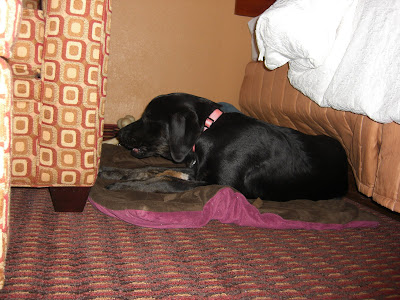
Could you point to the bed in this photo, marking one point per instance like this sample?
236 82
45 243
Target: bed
369 130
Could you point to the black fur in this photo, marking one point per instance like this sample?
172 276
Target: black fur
258 159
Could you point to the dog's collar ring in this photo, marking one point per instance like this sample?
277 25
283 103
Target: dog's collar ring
192 163
212 118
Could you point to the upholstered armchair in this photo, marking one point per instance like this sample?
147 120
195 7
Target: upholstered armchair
59 66
10 15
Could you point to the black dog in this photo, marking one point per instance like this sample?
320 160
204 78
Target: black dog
258 159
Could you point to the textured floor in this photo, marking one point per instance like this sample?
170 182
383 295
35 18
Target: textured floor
92 256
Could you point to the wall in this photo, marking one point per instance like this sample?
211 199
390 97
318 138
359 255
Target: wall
160 46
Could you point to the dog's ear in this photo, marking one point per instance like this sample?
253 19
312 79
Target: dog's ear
183 132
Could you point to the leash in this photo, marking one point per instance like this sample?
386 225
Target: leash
212 118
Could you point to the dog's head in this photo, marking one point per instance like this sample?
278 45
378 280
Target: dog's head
169 127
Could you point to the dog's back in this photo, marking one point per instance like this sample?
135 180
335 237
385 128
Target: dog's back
271 162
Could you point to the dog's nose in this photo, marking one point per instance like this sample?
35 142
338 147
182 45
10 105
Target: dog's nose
125 138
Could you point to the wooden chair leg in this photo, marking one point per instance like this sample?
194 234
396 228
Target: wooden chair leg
69 199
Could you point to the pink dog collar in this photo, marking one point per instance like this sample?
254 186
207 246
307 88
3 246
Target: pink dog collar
210 120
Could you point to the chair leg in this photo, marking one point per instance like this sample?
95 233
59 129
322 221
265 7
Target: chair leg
69 199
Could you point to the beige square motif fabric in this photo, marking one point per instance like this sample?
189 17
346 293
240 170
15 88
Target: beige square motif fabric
58 120
10 17
28 51
26 63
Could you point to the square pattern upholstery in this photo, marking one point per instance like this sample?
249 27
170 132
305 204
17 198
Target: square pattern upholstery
26 65
10 16
53 79
60 75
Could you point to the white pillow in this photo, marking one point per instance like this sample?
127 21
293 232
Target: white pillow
252 28
301 30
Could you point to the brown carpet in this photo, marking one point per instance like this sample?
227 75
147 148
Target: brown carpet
92 256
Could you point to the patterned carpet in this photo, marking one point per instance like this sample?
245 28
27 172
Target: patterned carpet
92 256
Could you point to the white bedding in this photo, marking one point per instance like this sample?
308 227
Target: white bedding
343 54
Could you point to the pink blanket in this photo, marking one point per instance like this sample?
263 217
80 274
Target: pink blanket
226 206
